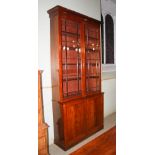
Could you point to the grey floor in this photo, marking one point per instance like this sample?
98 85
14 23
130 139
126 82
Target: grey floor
109 122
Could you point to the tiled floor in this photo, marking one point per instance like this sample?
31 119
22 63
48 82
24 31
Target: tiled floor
109 122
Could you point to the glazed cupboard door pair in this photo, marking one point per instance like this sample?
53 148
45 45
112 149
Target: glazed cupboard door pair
80 51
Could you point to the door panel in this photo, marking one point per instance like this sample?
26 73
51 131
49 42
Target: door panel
94 112
75 122
71 57
93 64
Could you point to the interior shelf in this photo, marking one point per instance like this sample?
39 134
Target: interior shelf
93 59
76 49
78 78
93 89
91 50
70 33
92 64
91 38
71 42
72 64
92 76
71 78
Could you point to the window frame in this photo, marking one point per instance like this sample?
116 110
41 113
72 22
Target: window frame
108 67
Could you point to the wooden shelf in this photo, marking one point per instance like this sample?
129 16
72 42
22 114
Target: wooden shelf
70 34
93 89
72 64
78 78
71 78
71 42
92 76
91 50
91 38
93 59
93 64
71 49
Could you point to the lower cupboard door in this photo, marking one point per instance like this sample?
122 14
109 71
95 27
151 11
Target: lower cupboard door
74 124
94 113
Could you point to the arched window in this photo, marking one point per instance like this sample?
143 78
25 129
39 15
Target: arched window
102 37
109 40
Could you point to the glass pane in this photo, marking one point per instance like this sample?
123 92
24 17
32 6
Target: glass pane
71 58
109 29
92 59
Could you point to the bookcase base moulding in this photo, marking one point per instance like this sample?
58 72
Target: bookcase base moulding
76 76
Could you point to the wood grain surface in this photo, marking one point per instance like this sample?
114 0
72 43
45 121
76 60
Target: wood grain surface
105 144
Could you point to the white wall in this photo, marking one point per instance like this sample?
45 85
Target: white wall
108 6
88 7
109 89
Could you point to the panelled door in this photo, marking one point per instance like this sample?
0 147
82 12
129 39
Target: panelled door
94 112
74 121
71 58
93 59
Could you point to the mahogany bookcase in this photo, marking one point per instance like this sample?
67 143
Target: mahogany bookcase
76 76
